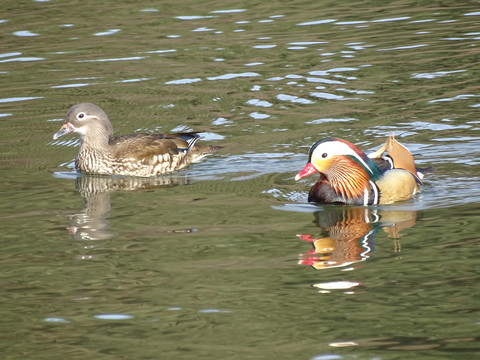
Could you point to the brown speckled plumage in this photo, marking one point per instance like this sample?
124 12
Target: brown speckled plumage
143 155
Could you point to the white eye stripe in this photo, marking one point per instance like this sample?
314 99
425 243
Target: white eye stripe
333 148
82 116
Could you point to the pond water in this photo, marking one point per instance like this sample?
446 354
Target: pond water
226 259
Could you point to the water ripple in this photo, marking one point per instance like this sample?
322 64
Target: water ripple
211 136
25 33
325 120
228 11
294 99
422 125
256 102
359 92
458 97
22 59
10 54
258 116
325 81
264 46
15 99
70 142
107 32
183 81
114 59
407 47
193 17
72 85
114 316
328 96
350 22
421 21
317 22
434 75
57 320
203 28
391 19
161 51
233 76
222 121
293 76
132 80
305 43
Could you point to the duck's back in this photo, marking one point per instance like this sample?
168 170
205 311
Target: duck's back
145 146
152 154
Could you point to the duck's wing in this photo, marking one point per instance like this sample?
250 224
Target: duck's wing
153 148
399 155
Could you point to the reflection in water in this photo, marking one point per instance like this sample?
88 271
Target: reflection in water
348 232
92 222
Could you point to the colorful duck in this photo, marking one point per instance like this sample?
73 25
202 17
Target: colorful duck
349 176
142 155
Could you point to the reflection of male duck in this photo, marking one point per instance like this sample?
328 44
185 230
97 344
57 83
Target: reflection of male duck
351 231
92 223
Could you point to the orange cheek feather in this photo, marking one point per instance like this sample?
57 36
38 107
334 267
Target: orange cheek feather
309 169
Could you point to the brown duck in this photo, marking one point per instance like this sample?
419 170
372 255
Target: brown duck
142 155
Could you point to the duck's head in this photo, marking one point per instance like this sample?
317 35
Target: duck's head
89 121
343 165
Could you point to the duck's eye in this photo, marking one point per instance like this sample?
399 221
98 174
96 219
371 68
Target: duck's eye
324 155
81 115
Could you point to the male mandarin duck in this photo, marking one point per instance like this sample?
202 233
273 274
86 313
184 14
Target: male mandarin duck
142 155
349 176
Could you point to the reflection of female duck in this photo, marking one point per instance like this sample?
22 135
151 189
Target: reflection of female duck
92 223
350 233
349 176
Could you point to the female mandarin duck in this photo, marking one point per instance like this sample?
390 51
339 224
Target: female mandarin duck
132 155
349 176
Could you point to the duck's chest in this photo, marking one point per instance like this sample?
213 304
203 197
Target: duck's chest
95 162
323 192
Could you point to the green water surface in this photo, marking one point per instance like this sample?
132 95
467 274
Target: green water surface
214 262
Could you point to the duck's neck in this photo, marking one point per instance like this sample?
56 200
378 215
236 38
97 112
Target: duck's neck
94 155
95 142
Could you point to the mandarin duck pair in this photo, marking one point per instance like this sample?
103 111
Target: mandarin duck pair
347 175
